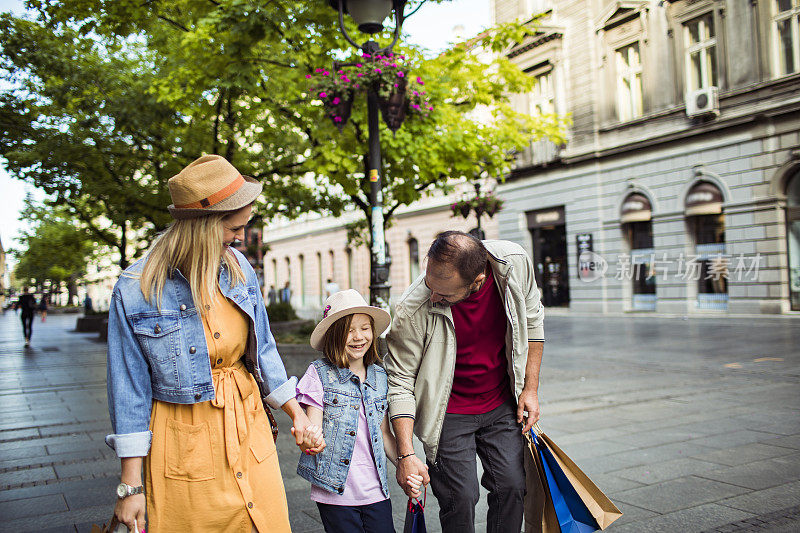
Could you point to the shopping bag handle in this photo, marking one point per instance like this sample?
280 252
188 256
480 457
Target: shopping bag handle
422 502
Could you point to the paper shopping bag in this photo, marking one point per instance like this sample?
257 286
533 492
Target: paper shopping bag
540 517
600 507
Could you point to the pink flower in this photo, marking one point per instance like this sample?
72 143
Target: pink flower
378 57
337 119
336 100
308 76
416 93
358 65
415 106
367 55
319 70
400 74
323 95
394 65
419 80
360 74
396 85
379 71
356 86
325 73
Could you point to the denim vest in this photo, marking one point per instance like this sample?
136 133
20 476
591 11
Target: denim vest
343 393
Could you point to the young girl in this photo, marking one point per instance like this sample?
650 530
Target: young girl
344 394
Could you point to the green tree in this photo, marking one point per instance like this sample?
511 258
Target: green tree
54 249
233 72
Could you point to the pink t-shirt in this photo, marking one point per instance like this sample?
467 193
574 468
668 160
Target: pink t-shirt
363 484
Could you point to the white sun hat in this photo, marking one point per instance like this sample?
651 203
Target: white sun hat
343 303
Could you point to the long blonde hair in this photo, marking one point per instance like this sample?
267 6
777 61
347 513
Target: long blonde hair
193 246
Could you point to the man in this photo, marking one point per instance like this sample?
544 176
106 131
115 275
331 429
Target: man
331 288
286 293
463 365
27 303
272 295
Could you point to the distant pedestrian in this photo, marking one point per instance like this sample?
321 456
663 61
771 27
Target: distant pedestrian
27 305
286 293
272 295
190 357
331 288
88 308
43 307
348 478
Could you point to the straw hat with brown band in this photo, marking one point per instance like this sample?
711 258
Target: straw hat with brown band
345 303
210 184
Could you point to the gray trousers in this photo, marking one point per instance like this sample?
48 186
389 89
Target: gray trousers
497 439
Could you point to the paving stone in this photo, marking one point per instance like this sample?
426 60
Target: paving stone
86 468
18 434
584 450
630 513
792 441
32 506
45 460
746 453
766 500
760 474
681 493
26 476
17 452
690 520
658 472
736 438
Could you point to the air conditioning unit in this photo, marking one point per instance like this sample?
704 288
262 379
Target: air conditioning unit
703 102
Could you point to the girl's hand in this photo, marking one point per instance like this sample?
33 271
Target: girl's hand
311 442
130 509
414 482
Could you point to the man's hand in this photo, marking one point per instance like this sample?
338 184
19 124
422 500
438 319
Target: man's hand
411 466
130 511
528 401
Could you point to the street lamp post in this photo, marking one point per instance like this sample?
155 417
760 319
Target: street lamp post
369 15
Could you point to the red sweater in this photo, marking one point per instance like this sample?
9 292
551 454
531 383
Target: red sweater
480 382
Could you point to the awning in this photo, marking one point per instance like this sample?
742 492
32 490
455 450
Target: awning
703 198
635 208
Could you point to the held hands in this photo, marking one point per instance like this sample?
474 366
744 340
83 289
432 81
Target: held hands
130 511
409 470
528 402
310 441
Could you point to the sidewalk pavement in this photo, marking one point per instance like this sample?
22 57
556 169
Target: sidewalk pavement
688 425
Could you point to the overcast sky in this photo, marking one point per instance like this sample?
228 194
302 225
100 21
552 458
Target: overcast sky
434 26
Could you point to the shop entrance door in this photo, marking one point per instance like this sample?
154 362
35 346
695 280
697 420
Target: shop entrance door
549 232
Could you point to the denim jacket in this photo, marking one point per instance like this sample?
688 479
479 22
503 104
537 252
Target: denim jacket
162 354
343 393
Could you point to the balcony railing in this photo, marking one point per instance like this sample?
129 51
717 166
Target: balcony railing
538 153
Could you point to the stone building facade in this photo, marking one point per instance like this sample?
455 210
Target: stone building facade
678 190
306 253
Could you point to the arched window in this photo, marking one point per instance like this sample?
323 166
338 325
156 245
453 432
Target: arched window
302 280
349 254
637 226
320 283
413 259
707 223
793 235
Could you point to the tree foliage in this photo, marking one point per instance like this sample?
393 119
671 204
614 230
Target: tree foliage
117 95
53 249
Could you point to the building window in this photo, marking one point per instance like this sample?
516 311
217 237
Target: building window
701 62
321 293
302 280
786 36
629 82
275 273
707 222
793 235
542 98
349 254
413 259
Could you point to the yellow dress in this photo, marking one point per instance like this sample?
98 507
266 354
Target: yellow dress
213 465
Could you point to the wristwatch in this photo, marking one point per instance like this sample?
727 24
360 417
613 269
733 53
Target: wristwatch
124 490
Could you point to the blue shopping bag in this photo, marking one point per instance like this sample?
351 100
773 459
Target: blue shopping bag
573 515
415 516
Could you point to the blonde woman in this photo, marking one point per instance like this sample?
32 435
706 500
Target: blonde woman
186 324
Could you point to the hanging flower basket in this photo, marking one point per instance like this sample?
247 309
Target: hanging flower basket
338 107
394 106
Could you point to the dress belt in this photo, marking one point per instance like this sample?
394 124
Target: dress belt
230 381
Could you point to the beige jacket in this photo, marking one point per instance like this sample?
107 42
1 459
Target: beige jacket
422 342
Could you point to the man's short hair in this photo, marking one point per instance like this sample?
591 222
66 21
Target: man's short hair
464 252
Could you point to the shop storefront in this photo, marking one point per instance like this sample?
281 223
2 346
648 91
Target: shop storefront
706 223
549 236
793 236
637 228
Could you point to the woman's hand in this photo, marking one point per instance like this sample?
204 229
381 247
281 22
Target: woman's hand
313 442
130 511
